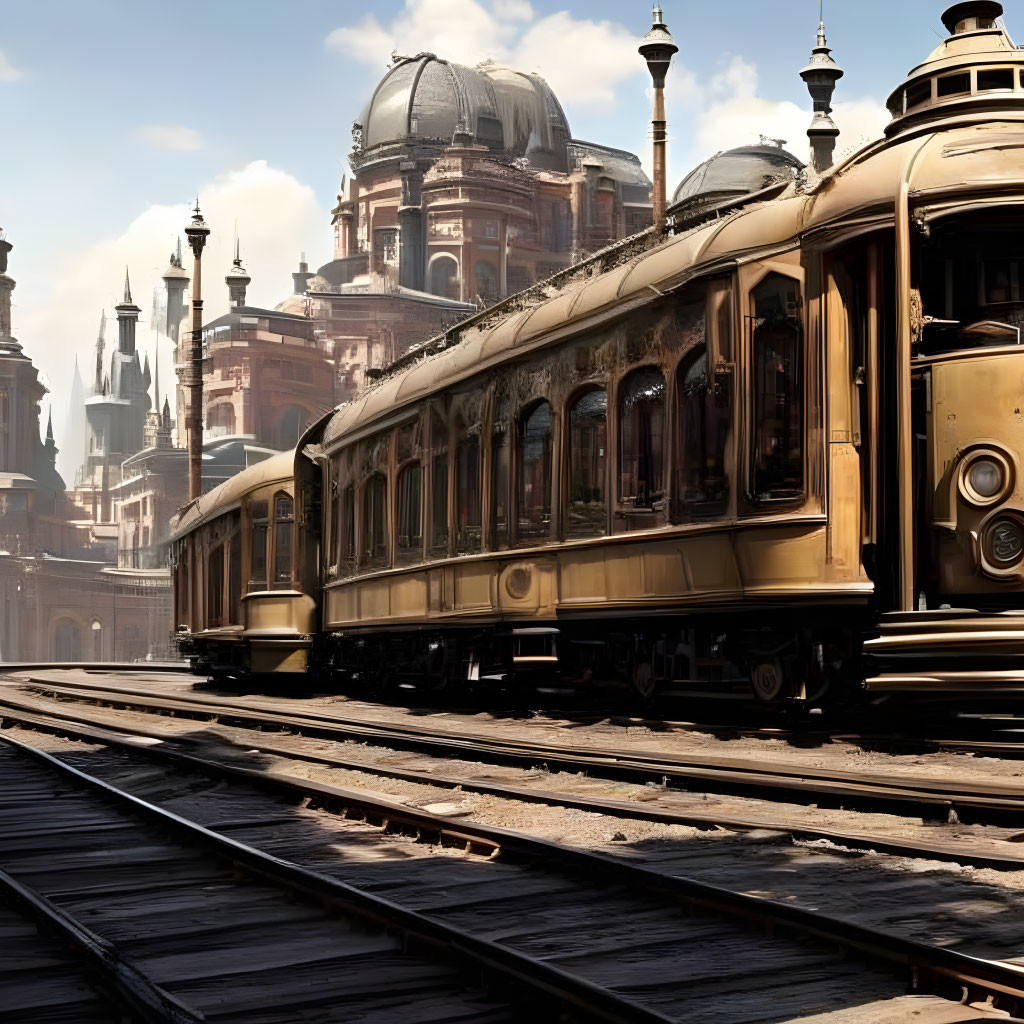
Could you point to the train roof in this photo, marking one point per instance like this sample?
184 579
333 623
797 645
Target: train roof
941 148
226 495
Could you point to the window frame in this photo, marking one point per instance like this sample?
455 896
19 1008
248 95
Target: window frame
656 512
573 401
524 414
801 392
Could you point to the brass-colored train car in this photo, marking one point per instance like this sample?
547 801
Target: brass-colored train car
241 598
775 450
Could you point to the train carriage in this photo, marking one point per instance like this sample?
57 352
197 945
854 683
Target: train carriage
775 450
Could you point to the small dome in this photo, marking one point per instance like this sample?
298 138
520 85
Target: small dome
735 173
426 99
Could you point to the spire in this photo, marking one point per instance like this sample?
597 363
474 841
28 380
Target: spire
820 76
127 289
237 279
101 342
49 426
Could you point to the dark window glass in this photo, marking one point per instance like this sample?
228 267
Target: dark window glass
410 517
535 473
215 588
347 530
703 424
467 494
235 572
954 85
284 513
995 78
778 390
375 505
921 92
260 531
439 485
588 427
499 475
642 439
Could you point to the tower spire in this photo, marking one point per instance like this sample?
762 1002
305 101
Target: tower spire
820 76
127 289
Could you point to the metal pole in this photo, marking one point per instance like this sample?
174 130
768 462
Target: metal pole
660 135
197 233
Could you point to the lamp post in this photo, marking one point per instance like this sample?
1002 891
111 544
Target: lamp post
658 48
197 232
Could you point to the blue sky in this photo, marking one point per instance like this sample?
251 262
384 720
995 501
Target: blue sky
114 112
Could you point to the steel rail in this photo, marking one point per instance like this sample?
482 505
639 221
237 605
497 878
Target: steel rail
947 852
515 970
133 991
976 978
722 774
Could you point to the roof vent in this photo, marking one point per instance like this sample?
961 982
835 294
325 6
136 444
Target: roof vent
973 16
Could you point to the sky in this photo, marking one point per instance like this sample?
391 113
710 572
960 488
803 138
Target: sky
114 114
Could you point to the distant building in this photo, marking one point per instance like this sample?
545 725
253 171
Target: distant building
468 187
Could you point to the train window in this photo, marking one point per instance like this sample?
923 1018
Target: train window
260 532
347 530
499 475
588 440
235 572
642 439
215 587
410 515
467 494
725 326
375 525
777 357
954 85
702 487
284 517
995 78
439 485
534 476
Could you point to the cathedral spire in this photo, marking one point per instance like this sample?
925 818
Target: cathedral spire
237 279
49 426
127 289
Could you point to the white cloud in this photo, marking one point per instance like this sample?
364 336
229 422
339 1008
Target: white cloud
8 72
729 111
276 215
563 49
172 137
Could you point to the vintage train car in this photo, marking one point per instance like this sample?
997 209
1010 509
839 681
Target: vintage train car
242 599
776 450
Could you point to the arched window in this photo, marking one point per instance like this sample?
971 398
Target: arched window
220 419
284 522
703 424
290 425
778 456
500 465
375 525
588 428
97 640
67 641
642 439
410 515
535 437
260 537
444 277
467 494
438 484
486 281
347 530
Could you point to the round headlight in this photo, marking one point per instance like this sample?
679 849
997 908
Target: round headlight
1007 541
985 478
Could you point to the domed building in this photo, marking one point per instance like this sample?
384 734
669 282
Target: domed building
468 186
732 175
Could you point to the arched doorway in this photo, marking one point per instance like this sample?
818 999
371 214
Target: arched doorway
444 277
67 641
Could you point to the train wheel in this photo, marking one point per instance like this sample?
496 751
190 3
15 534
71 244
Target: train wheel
766 680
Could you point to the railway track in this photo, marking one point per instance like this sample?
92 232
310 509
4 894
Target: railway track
777 916
967 801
